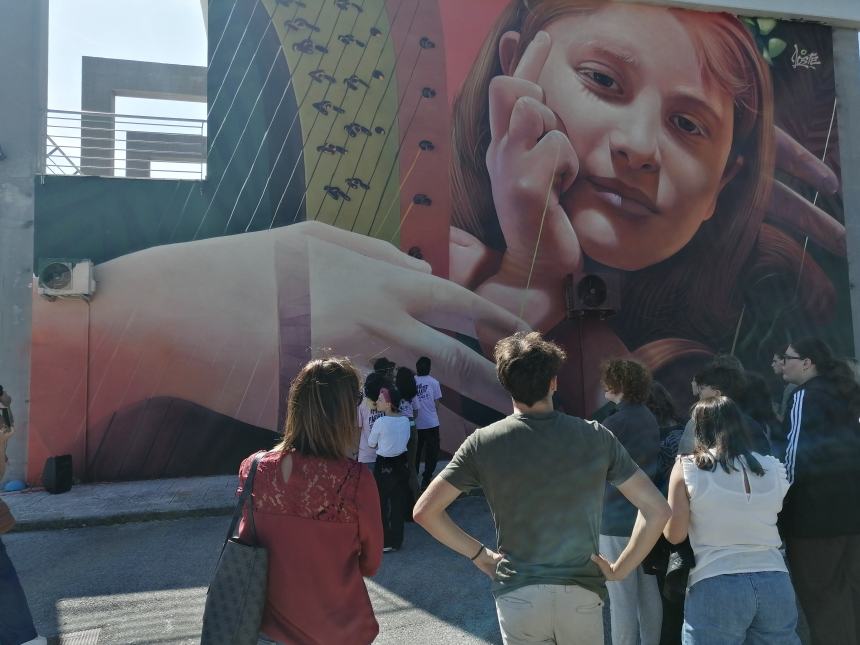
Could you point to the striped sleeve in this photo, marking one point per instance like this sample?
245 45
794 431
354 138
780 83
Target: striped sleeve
795 418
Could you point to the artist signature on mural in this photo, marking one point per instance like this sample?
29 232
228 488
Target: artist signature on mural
805 59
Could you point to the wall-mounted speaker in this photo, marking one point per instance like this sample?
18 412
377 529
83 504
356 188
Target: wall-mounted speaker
593 294
57 475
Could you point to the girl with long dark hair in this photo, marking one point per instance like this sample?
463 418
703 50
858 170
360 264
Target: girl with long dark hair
404 381
726 498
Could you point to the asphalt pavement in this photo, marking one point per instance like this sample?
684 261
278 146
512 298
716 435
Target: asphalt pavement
145 582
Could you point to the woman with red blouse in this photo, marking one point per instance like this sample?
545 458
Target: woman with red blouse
317 513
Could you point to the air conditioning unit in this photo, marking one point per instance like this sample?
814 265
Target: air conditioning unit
62 277
594 294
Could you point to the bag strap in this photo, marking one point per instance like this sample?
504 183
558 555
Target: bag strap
247 489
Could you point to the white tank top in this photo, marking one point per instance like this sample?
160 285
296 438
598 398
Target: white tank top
732 531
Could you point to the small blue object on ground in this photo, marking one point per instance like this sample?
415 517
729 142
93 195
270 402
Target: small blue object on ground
14 485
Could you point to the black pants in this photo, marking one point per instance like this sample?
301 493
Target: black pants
392 479
673 617
16 623
428 446
826 575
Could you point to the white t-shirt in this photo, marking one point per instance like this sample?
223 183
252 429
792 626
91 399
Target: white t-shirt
732 531
409 408
428 393
390 436
366 420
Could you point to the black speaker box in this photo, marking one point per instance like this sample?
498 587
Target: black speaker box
57 475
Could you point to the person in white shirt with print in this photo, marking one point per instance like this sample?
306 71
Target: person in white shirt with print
727 498
427 419
389 437
404 381
368 414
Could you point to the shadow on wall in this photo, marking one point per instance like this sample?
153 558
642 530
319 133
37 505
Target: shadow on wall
166 437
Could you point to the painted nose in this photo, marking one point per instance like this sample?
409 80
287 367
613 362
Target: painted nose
634 141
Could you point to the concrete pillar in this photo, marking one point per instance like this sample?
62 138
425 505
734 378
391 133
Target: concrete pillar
23 96
846 57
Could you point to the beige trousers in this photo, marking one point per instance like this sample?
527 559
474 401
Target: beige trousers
562 614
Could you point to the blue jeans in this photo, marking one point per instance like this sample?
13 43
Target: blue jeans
741 609
16 623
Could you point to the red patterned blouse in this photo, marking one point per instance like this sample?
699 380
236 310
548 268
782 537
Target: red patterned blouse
323 531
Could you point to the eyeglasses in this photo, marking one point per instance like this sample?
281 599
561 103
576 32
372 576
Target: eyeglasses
786 357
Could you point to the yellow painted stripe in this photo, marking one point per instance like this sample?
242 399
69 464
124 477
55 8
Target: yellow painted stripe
371 107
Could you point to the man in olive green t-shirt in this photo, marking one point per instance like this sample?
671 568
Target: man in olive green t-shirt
544 474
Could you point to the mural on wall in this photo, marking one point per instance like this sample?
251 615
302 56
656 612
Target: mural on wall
409 178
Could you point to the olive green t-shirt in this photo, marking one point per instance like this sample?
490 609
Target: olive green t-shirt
544 478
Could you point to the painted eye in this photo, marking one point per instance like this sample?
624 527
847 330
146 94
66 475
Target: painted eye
604 80
686 125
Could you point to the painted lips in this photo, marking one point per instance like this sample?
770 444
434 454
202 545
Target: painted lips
624 197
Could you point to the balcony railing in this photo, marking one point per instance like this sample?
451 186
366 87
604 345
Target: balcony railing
124 145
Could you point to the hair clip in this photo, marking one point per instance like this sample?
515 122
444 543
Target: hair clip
428 92
299 23
320 75
324 106
424 144
354 129
379 130
305 46
343 5
331 149
353 82
336 193
375 32
355 182
377 74
422 200
426 43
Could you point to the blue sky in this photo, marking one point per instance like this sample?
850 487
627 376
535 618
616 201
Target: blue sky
161 31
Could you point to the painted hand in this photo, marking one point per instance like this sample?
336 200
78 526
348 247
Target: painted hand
790 210
368 299
531 163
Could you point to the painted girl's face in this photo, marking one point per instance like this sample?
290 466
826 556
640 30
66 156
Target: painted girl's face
652 135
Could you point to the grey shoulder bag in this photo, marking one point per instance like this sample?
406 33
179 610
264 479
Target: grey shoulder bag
237 593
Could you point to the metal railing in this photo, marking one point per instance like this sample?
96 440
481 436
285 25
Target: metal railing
124 145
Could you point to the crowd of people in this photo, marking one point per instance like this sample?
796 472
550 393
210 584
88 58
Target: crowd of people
699 528
707 528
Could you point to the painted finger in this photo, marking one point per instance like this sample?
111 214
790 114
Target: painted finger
534 57
504 92
362 244
790 210
530 119
555 148
797 161
433 295
454 364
